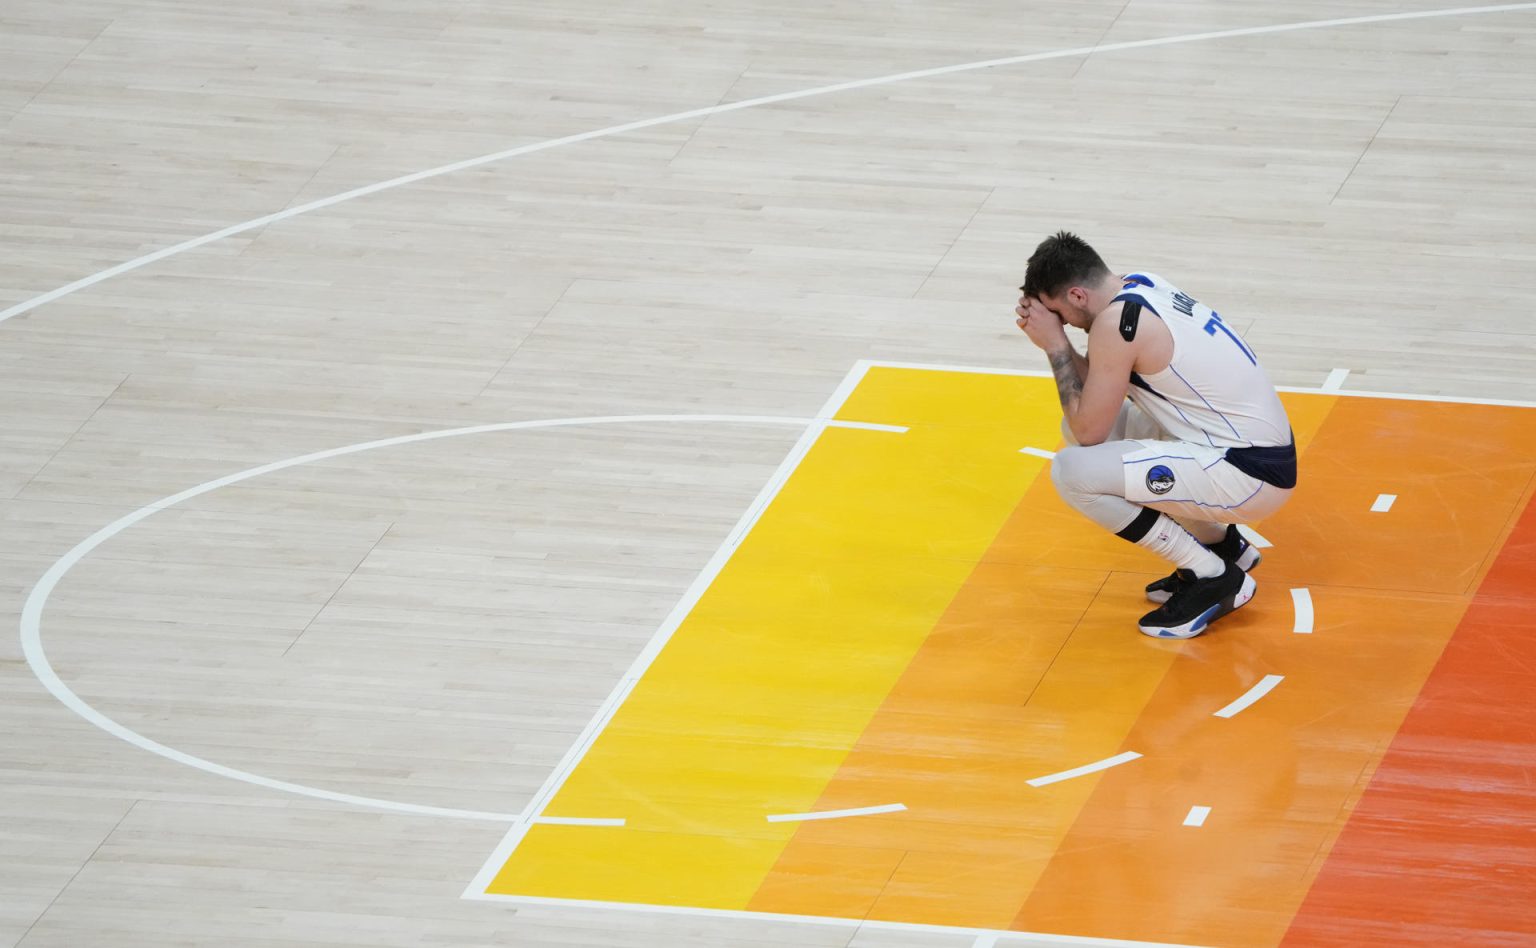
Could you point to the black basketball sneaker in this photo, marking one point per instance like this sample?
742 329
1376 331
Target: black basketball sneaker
1234 548
1196 603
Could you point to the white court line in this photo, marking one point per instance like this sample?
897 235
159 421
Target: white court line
514 836
814 428
989 940
1301 601
1335 380
1197 815
836 814
184 246
32 611
964 369
476 891
577 821
1253 536
31 620
1264 687
1348 393
1003 935
1038 452
1094 767
1410 397
1383 503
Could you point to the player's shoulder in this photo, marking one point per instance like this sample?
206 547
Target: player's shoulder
1141 278
1147 291
1143 289
1133 293
1109 329
1121 321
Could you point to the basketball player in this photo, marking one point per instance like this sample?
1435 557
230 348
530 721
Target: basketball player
1202 443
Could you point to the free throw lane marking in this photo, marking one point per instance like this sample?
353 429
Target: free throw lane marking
1264 687
920 894
1038 452
1301 600
1197 815
1383 503
1335 380
836 814
1094 767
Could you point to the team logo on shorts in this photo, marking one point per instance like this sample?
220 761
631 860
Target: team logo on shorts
1160 480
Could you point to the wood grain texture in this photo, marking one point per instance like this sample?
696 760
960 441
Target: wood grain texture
435 623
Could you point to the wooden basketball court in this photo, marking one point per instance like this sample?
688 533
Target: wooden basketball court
548 475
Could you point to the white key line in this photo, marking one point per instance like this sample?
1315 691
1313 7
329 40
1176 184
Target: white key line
1264 687
1044 374
1301 599
836 814
577 821
1197 815
1094 767
1038 452
1383 503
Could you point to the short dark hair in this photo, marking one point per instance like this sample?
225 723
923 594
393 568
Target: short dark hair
1060 263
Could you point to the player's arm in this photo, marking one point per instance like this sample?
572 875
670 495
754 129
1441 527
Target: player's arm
1071 370
1089 391
1079 360
1104 383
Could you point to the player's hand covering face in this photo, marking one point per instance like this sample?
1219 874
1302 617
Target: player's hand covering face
1042 326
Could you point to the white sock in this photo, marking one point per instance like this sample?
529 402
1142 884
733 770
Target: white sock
1205 531
1172 542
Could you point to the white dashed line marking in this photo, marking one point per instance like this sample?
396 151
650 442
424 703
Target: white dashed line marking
1094 767
836 814
1301 599
1264 687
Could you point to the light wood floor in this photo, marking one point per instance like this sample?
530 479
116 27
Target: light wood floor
435 623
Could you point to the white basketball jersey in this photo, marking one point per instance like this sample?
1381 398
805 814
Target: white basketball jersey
1214 391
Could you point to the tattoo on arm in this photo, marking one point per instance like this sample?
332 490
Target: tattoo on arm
1069 380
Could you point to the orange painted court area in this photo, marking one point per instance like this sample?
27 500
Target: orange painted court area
1388 780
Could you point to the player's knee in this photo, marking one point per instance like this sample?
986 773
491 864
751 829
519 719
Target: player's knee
1068 470
1081 474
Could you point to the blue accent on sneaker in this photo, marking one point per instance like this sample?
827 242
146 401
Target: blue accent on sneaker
1205 618
1201 621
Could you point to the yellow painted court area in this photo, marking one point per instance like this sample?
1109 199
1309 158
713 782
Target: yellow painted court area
918 619
765 687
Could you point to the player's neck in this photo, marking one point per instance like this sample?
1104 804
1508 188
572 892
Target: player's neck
1104 293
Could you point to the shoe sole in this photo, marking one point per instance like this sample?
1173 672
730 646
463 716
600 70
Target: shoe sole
1199 624
1246 561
